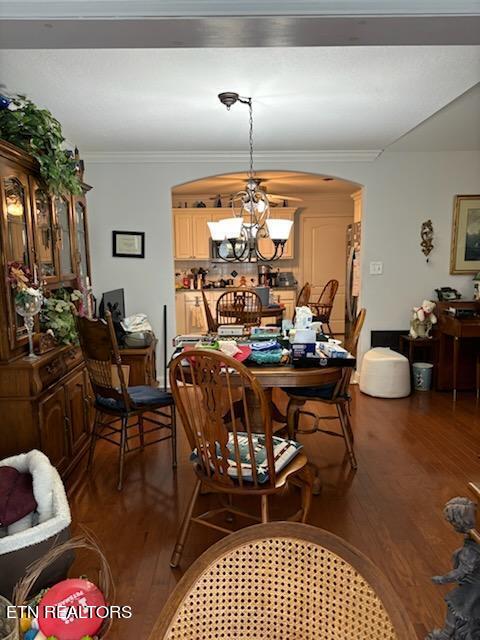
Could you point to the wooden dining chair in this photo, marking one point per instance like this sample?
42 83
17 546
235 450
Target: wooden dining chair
115 402
336 394
283 580
302 298
211 323
322 309
239 306
214 394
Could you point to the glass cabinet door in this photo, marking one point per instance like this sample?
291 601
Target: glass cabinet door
62 207
17 238
45 236
17 224
81 229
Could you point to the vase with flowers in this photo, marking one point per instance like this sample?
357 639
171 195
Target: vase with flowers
28 298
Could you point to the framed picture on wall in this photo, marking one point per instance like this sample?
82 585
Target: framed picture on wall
128 244
465 251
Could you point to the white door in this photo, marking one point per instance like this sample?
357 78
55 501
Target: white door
324 257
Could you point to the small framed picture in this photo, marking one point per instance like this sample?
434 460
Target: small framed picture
128 244
465 252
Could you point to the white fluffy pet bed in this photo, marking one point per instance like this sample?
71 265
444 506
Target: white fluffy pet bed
29 538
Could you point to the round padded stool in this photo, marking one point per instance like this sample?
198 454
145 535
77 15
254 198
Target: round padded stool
385 374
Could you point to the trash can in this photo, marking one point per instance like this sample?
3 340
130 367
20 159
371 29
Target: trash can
422 376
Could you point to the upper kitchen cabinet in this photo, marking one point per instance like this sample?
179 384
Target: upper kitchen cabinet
192 236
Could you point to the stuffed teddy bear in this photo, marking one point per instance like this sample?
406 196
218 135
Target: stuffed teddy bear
423 319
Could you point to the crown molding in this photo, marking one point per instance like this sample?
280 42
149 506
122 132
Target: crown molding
118 9
226 157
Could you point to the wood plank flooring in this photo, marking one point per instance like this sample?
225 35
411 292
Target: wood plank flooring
413 454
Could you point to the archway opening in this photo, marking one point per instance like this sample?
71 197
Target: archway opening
324 242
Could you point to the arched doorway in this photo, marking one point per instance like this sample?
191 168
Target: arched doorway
325 210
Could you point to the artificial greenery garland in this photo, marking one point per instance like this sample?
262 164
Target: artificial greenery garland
57 315
37 132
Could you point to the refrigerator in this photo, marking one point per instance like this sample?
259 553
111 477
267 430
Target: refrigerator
352 283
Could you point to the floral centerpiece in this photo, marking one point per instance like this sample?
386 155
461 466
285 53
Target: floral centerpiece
28 298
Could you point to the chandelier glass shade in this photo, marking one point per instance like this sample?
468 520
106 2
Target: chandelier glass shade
237 238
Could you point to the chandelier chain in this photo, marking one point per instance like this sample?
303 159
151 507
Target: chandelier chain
250 109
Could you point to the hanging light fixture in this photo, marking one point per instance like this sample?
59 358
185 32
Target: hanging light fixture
237 238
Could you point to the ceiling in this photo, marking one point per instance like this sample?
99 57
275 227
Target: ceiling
317 98
291 183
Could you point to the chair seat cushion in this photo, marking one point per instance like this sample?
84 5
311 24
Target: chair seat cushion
324 392
283 451
141 396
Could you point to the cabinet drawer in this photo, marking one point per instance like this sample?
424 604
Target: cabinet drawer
72 357
52 370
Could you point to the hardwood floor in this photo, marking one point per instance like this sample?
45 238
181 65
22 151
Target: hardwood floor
413 454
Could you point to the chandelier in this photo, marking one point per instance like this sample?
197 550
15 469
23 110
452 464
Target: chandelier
237 238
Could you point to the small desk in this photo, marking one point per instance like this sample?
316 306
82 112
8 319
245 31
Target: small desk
458 329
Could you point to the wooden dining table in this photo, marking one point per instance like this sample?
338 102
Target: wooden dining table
268 311
286 377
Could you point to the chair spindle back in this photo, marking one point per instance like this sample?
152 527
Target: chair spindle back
100 351
212 393
239 306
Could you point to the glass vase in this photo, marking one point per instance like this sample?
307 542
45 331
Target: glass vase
28 310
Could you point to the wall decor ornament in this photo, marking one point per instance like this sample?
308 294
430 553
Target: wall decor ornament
426 235
465 249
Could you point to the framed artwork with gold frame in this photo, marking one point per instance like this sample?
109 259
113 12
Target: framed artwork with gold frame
465 250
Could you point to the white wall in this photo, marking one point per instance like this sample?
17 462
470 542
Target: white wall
402 189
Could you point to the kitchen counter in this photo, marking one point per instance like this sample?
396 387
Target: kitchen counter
222 289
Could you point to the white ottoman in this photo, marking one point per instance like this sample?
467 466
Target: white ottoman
385 374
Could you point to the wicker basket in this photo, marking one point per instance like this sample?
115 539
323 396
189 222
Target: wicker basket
86 542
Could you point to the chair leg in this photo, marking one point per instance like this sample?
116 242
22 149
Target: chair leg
330 332
182 536
264 508
141 432
93 440
346 435
293 417
174 437
307 490
347 415
121 459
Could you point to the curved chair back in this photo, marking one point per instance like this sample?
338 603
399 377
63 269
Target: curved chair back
283 580
212 393
239 306
100 351
328 293
211 324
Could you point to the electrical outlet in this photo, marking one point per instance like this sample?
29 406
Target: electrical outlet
376 268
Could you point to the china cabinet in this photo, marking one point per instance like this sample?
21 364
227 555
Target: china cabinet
42 401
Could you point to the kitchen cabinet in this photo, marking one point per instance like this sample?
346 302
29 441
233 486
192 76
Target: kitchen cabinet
183 232
267 247
192 236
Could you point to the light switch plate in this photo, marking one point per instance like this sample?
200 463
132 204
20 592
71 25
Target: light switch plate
376 268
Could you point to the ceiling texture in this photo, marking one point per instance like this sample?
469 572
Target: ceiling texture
305 98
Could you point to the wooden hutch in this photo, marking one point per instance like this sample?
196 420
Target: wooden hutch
43 402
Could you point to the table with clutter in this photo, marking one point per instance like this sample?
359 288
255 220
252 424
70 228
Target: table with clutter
297 355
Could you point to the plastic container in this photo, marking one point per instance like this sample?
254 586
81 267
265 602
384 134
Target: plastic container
422 376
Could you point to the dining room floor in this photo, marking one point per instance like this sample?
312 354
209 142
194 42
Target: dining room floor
413 454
